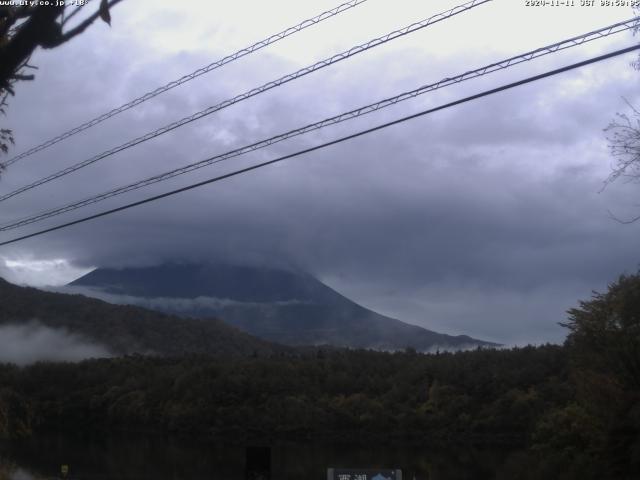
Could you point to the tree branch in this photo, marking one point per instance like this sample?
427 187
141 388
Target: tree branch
19 76
619 220
81 27
10 15
73 14
33 32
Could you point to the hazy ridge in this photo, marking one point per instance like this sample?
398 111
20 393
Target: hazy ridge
288 307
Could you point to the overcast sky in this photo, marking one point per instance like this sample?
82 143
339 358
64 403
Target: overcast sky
485 219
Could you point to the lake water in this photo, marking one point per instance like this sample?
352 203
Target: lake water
157 458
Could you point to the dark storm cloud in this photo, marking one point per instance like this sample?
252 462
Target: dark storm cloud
482 219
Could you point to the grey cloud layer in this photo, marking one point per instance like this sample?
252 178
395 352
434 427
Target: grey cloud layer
464 221
33 342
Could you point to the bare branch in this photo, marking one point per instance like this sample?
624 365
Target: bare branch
75 11
81 27
623 136
15 11
619 220
31 25
19 76
9 89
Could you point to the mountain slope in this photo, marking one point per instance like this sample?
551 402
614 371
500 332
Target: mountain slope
277 305
126 329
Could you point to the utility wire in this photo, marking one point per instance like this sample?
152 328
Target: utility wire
503 64
253 92
333 142
186 78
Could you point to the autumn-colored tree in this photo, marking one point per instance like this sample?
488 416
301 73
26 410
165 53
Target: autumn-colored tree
605 332
604 344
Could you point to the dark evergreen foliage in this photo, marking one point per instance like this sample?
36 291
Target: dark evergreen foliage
125 329
484 395
573 409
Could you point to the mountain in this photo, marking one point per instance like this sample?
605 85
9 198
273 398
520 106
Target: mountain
126 329
282 306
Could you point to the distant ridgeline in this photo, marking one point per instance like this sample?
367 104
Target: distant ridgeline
574 410
282 306
124 329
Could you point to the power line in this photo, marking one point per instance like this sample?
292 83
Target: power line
503 64
186 78
330 143
253 92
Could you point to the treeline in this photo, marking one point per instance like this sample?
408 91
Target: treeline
574 408
342 394
125 329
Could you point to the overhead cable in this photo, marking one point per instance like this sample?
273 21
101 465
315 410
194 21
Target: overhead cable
186 78
500 65
330 143
253 92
